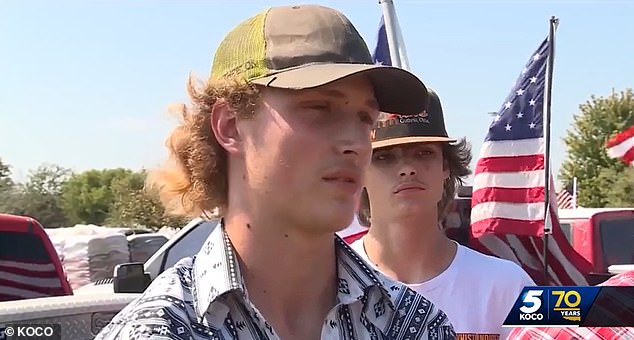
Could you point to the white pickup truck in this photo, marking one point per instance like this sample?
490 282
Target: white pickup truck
82 315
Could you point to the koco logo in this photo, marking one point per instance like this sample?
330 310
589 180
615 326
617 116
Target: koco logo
570 300
532 302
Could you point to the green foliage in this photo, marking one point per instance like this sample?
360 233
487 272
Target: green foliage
599 119
6 186
137 206
56 197
88 196
40 196
5 176
619 188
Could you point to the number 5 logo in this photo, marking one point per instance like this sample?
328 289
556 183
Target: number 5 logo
533 299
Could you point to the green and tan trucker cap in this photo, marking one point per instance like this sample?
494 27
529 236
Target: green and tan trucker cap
307 46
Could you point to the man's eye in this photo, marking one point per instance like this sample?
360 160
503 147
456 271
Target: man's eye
383 157
366 118
320 106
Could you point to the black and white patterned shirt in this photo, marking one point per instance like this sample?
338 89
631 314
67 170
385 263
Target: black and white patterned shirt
204 297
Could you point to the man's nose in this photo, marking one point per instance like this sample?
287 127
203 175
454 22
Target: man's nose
407 170
355 144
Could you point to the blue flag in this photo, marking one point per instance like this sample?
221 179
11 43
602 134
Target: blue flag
381 53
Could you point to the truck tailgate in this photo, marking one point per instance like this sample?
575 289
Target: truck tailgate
81 317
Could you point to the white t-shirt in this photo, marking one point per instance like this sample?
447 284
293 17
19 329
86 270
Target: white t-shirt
476 291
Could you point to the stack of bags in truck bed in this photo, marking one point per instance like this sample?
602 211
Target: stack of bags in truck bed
88 252
168 232
143 246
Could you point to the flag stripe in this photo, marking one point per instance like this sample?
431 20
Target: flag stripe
522 147
510 195
30 280
621 137
510 163
20 293
521 179
622 146
46 289
31 273
628 157
27 280
33 264
560 249
527 212
504 225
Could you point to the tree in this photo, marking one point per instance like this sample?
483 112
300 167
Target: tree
88 196
135 205
7 188
598 120
5 176
619 191
40 196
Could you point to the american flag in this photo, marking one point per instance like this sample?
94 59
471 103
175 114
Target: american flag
381 53
21 280
565 199
507 216
622 146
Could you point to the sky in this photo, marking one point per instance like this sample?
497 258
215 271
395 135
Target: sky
86 84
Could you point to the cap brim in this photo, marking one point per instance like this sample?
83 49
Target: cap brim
396 90
408 140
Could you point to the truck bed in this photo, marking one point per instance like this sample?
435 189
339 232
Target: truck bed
81 317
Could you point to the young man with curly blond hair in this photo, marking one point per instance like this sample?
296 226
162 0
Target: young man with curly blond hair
410 185
276 145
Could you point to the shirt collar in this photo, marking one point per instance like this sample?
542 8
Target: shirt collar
216 272
357 280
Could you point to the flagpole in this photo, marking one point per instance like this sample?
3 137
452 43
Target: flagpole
554 22
574 192
401 46
392 33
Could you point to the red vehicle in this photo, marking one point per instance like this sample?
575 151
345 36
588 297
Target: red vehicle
29 264
603 236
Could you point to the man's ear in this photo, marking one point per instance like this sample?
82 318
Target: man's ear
224 126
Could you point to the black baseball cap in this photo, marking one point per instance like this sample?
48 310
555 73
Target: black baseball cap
426 126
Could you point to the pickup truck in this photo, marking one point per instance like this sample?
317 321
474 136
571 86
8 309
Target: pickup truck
603 236
29 264
91 307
